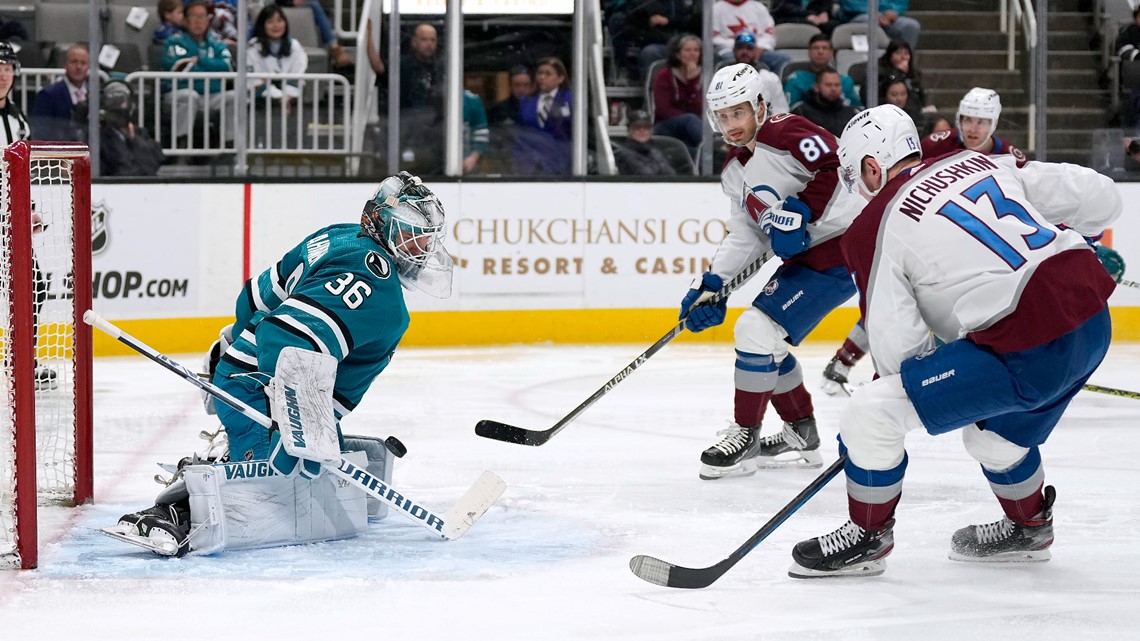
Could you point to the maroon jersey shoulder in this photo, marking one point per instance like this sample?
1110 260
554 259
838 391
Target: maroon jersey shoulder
813 146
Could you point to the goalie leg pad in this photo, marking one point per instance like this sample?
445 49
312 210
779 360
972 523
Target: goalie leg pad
381 462
248 505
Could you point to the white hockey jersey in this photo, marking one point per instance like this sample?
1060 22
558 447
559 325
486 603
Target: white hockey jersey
793 157
732 17
968 246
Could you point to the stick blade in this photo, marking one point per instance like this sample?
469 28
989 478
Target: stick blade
497 431
658 572
473 505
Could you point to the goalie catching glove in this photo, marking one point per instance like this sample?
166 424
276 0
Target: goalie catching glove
301 401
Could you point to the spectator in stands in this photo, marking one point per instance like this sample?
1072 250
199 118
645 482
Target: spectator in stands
746 52
1128 48
476 134
891 18
223 20
125 149
506 112
820 56
677 95
936 124
893 90
542 140
273 51
55 104
341 62
637 156
13 124
898 59
421 103
732 16
824 104
197 49
813 12
171 20
651 24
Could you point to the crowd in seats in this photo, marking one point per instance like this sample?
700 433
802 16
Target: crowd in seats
730 17
678 100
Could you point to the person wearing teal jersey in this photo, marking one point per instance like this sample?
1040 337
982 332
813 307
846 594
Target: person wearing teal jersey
339 293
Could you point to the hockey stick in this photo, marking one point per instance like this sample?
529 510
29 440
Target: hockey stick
1129 283
451 525
666 574
512 434
1110 390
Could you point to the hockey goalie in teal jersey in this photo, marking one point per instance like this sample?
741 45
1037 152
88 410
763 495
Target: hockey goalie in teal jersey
333 304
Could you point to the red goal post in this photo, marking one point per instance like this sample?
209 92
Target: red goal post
45 348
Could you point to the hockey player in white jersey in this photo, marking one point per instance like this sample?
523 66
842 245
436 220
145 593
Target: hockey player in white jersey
782 182
966 248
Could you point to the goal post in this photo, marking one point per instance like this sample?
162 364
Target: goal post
45 348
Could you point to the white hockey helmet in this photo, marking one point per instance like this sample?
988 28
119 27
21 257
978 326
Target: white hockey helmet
980 103
734 85
885 133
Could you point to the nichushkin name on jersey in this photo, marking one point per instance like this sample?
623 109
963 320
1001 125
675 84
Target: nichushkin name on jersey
914 203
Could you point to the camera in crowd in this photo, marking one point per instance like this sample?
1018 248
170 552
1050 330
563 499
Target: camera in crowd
116 106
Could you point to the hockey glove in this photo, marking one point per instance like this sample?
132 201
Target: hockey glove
704 315
288 465
1112 261
787 227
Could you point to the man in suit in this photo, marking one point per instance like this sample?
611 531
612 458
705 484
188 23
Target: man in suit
55 104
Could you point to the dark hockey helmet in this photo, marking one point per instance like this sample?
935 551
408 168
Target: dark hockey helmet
407 220
8 56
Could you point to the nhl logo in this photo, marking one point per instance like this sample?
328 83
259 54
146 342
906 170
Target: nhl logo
99 238
771 288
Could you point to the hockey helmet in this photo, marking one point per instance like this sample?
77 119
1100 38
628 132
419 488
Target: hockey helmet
407 220
980 103
885 133
8 56
734 85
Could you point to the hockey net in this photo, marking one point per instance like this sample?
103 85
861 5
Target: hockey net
45 349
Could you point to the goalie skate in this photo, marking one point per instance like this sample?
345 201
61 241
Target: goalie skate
1005 541
162 529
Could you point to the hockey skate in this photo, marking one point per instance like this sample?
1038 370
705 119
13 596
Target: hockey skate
46 379
741 453
848 551
162 529
835 378
217 450
1006 541
797 445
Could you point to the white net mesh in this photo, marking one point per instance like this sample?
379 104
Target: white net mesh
53 346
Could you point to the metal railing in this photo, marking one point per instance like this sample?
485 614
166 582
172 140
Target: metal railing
192 118
599 105
30 82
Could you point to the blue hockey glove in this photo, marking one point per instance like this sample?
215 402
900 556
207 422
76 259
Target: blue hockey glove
704 315
287 465
787 227
1112 261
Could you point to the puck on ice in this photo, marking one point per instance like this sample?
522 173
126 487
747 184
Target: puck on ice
395 446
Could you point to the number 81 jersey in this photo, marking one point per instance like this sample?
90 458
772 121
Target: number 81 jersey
337 293
793 157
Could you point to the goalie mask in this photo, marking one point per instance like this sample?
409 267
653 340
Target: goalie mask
406 219
980 103
885 133
734 85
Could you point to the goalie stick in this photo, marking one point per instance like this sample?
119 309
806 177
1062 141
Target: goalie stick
450 526
511 434
666 574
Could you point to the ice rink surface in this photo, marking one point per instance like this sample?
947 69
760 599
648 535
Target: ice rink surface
550 560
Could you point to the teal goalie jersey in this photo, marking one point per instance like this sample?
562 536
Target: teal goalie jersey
336 292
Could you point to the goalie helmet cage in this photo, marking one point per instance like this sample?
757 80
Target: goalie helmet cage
45 348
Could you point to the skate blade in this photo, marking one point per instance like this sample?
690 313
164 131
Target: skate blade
1021 556
121 533
864 569
834 388
740 470
807 459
